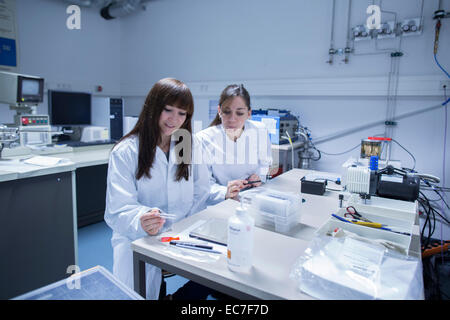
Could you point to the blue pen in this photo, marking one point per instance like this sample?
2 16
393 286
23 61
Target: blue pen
197 248
382 228
399 232
339 218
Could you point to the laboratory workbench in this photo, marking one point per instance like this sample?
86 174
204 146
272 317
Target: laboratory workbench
273 256
13 167
42 208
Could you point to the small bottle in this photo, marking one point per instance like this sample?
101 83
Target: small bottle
240 240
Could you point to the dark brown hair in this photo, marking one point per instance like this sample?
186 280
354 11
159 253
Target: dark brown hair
166 91
233 90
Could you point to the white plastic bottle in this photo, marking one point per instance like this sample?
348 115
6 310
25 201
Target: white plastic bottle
240 240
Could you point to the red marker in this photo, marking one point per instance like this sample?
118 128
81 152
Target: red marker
168 239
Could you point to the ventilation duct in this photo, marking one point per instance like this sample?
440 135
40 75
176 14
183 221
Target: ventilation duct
121 8
90 3
111 8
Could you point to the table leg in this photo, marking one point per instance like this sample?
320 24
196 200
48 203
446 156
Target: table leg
139 274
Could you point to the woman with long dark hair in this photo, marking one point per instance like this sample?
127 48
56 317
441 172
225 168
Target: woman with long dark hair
240 148
151 171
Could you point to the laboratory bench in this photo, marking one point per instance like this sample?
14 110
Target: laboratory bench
42 208
90 165
274 253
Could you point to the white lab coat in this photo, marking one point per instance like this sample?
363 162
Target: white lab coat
127 199
228 160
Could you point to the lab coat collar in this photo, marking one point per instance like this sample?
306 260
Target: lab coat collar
246 126
162 156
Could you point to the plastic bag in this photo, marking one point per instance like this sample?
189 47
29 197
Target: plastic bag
193 255
349 268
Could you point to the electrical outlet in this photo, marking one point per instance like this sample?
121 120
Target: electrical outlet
444 83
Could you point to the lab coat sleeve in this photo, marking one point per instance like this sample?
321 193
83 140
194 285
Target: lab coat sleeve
123 211
217 192
201 188
265 159
201 178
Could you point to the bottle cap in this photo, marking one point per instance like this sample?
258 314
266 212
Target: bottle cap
240 210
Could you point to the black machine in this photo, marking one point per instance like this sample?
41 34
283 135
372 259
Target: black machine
313 187
397 184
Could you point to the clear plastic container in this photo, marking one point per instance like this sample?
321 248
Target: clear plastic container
273 210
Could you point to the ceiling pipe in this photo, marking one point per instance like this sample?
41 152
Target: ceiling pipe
90 3
121 8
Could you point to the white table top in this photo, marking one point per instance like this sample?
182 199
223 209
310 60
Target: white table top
274 253
13 168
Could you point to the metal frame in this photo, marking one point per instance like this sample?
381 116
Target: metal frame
139 261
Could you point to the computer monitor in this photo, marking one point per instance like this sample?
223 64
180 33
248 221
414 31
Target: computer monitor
20 89
69 108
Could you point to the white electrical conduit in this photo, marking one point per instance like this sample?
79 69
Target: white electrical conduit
372 124
288 138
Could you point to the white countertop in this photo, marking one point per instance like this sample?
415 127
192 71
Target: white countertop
274 253
12 168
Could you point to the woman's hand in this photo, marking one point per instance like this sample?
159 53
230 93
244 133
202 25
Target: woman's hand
254 177
151 222
233 188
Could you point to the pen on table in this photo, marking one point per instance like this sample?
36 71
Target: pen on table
370 224
340 218
191 244
362 223
399 232
196 248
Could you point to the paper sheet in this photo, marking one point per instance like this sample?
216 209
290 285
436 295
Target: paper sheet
44 161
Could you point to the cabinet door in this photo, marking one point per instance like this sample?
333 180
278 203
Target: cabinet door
91 194
37 233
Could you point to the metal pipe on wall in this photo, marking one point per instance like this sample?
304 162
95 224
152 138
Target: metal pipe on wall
373 124
331 50
347 49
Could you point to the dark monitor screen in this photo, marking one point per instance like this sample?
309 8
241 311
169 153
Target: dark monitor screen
69 108
30 89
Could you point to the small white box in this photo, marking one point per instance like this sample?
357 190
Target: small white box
92 133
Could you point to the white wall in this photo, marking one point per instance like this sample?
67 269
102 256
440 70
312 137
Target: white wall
268 45
77 60
278 50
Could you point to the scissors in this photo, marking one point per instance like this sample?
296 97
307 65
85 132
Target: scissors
351 211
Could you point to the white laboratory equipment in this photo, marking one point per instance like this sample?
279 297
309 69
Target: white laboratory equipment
273 210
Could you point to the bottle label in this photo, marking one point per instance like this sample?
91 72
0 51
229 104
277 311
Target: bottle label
240 245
